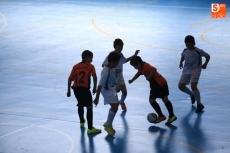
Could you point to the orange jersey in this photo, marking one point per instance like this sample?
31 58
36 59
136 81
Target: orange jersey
81 74
147 69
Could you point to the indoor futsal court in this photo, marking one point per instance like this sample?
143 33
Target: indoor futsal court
41 40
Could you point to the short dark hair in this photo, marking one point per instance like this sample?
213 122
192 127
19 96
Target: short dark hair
113 57
86 53
189 39
117 42
135 60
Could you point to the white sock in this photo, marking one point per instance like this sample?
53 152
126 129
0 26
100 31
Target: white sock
110 118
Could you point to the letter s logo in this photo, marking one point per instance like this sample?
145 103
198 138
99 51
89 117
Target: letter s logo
215 8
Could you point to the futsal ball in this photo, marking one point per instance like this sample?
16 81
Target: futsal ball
152 117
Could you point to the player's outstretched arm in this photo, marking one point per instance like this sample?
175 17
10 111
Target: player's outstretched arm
207 58
134 78
96 100
135 54
68 88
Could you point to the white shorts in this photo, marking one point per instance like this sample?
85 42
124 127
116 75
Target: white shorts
110 98
186 78
120 79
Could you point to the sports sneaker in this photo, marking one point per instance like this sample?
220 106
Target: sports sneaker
106 124
199 108
160 119
170 120
193 99
82 124
93 131
123 106
110 130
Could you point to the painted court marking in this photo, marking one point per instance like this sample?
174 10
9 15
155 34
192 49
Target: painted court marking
55 130
4 22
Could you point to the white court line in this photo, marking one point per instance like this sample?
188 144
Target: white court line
17 130
4 22
60 132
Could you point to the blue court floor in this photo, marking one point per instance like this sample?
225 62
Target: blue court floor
40 41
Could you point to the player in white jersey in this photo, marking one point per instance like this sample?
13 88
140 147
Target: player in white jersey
120 85
192 58
107 87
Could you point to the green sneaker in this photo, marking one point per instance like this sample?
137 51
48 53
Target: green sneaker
93 131
106 124
82 124
171 119
110 130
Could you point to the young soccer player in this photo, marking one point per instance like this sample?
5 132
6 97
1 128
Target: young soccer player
81 74
158 86
120 85
107 87
192 70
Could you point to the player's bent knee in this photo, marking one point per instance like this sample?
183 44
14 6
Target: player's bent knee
181 86
151 101
165 99
118 90
124 93
114 108
194 86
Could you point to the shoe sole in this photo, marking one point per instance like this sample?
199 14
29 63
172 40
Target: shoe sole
160 121
199 110
105 127
94 132
168 123
109 133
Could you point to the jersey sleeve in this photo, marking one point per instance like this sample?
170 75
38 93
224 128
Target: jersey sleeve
123 59
203 53
182 54
106 60
72 75
104 76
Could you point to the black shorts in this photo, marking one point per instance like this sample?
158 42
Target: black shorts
158 91
83 96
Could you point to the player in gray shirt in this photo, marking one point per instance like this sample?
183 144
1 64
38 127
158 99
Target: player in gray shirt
192 58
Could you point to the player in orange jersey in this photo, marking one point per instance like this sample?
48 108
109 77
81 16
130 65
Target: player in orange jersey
158 85
80 75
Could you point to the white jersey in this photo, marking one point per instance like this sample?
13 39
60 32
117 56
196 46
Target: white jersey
108 81
193 60
119 67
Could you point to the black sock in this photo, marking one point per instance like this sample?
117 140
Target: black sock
81 114
90 118
157 108
169 108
